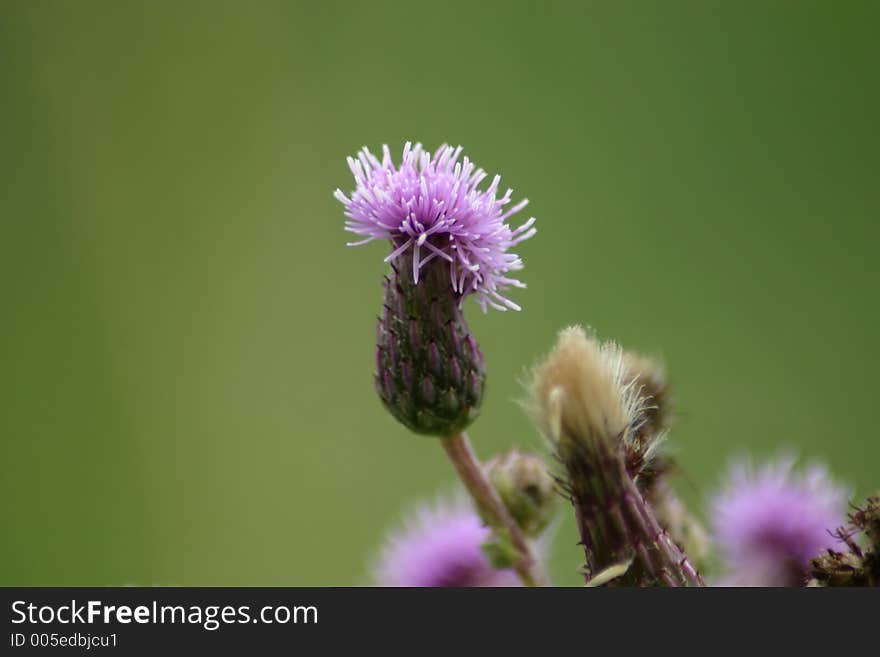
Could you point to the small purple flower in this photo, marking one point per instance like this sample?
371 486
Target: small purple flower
431 206
770 522
440 545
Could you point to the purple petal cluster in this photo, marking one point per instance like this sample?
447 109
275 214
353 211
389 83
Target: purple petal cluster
769 522
440 545
431 206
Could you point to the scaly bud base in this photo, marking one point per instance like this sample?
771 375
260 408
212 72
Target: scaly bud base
430 373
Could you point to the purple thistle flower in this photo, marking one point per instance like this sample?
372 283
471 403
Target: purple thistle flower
440 545
431 206
770 522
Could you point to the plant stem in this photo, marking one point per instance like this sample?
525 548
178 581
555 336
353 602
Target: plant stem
471 473
617 525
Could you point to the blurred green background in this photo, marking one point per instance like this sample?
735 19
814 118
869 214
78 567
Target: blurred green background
187 343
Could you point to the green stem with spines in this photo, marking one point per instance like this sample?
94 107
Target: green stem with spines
484 495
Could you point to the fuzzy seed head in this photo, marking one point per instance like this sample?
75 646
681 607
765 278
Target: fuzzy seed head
579 391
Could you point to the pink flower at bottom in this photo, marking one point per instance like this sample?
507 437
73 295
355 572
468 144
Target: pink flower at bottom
438 545
770 522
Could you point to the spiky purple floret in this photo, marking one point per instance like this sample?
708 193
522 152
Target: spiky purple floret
431 206
770 521
440 545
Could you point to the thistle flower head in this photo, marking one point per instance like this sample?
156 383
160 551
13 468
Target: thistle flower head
430 207
438 545
769 522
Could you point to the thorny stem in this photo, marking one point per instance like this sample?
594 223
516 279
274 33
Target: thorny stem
667 546
617 525
471 473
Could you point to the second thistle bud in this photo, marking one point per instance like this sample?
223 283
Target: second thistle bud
430 372
586 405
526 488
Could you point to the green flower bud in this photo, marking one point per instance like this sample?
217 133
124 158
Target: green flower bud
526 487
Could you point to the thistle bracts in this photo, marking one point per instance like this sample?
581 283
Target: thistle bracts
583 401
430 372
858 563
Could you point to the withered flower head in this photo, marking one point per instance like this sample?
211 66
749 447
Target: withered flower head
585 402
579 392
